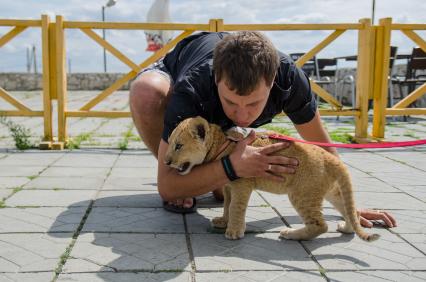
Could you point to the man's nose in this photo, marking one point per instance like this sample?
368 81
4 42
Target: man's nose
241 113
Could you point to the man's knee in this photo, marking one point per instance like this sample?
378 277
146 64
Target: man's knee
147 94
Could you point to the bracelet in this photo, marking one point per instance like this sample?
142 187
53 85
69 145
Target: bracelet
229 169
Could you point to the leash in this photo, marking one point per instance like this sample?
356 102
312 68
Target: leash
353 146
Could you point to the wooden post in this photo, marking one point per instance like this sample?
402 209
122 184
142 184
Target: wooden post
365 67
47 103
219 25
381 73
61 83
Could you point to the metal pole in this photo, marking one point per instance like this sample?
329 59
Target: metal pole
28 60
103 36
373 10
35 60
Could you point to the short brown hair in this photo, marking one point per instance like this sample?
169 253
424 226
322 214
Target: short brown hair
243 59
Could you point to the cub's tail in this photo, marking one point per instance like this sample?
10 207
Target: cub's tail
349 204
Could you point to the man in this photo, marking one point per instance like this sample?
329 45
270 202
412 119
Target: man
229 79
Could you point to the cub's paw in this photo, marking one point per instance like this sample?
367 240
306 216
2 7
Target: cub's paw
219 222
344 227
234 234
288 233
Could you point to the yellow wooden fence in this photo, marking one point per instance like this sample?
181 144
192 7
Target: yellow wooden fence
17 27
381 75
372 55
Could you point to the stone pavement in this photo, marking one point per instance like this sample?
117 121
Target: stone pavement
93 214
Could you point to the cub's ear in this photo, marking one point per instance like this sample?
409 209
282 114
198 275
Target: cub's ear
201 131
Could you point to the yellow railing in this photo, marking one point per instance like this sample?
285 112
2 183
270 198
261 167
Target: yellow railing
365 37
373 55
19 26
86 27
383 39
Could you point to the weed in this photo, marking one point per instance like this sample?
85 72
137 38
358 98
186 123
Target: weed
32 177
75 143
20 134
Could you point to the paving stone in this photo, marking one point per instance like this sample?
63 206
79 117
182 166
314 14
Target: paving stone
388 201
413 159
77 171
77 158
4 193
21 170
208 201
416 191
132 199
417 240
401 178
128 252
126 277
27 277
371 184
409 221
140 160
31 252
258 219
130 183
336 253
67 183
212 252
259 276
382 165
51 198
133 172
32 158
12 182
370 276
102 219
40 219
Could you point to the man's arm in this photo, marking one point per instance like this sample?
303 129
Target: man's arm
200 180
247 162
315 131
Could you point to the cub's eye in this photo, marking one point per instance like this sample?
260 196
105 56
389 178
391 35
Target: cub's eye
178 146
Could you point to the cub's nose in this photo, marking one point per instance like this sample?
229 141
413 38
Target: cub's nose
167 162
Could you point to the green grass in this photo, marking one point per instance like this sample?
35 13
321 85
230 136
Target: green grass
32 177
340 136
16 190
64 258
411 135
277 129
2 204
75 143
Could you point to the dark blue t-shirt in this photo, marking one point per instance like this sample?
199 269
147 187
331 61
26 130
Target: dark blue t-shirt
195 92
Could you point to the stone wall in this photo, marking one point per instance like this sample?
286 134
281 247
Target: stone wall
76 81
101 81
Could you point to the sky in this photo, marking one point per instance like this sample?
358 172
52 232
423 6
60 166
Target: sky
85 55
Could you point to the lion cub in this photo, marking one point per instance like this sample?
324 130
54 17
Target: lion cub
320 175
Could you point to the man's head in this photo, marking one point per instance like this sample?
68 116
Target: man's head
245 64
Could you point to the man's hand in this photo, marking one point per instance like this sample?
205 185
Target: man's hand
251 161
366 215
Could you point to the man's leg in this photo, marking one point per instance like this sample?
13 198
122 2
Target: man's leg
148 98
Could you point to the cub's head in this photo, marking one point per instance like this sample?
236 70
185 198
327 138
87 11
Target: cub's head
187 145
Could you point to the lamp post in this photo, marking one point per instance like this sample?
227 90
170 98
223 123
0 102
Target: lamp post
373 9
110 3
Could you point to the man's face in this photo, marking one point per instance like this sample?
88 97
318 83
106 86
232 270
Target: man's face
243 110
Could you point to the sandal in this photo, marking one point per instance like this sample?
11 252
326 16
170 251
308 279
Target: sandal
181 210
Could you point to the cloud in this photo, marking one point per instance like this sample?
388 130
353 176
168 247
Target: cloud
86 55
